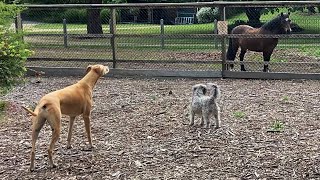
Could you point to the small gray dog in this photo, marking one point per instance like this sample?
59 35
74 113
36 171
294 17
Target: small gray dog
205 105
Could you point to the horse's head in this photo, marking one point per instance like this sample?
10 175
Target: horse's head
285 22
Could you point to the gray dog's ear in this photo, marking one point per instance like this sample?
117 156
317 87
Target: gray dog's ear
194 88
204 89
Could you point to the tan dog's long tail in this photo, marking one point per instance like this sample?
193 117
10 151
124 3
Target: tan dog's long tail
29 111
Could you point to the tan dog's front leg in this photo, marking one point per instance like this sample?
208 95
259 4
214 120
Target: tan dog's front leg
70 131
88 130
86 119
37 126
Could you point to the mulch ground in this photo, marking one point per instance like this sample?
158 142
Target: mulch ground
140 131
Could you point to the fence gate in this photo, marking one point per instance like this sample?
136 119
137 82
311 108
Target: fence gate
151 40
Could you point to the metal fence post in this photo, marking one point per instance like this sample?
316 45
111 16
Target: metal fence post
162 33
223 43
113 21
65 33
215 31
18 24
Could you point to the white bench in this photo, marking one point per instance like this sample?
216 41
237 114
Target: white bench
184 20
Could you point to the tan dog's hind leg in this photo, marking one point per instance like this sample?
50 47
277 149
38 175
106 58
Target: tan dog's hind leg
86 119
70 131
37 126
55 123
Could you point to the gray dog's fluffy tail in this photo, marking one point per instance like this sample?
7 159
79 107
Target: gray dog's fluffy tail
214 90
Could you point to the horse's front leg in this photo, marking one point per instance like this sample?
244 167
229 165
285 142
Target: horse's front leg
266 59
242 53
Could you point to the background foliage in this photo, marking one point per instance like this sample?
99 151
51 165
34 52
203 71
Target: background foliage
13 51
207 14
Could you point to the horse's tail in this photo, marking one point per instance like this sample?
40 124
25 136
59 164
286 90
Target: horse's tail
232 50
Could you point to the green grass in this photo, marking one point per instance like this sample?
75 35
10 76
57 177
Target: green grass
239 114
277 126
285 98
278 60
310 51
304 20
153 97
142 29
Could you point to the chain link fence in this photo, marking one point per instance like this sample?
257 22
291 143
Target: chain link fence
181 37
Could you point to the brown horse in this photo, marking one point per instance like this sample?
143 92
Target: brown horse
278 25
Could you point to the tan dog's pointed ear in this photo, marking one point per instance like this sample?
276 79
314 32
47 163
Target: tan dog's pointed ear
88 69
29 111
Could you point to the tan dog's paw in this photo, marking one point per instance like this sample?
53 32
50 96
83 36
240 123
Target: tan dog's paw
90 148
69 146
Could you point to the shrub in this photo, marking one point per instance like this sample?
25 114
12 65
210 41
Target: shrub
46 16
206 15
75 15
105 16
13 51
3 105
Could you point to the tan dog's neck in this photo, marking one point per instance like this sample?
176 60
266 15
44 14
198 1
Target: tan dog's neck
90 79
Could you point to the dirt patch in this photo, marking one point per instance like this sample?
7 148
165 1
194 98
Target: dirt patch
140 131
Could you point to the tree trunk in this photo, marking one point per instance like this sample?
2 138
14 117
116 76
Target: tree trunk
94 25
254 14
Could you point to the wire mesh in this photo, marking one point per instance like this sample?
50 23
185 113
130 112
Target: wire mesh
180 38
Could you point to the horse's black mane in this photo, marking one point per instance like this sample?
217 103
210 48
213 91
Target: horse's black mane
275 25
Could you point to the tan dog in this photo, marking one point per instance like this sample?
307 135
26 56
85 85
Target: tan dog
73 100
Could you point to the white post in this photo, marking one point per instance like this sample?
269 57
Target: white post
162 33
65 33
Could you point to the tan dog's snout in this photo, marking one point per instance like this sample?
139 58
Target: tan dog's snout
106 70
99 69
